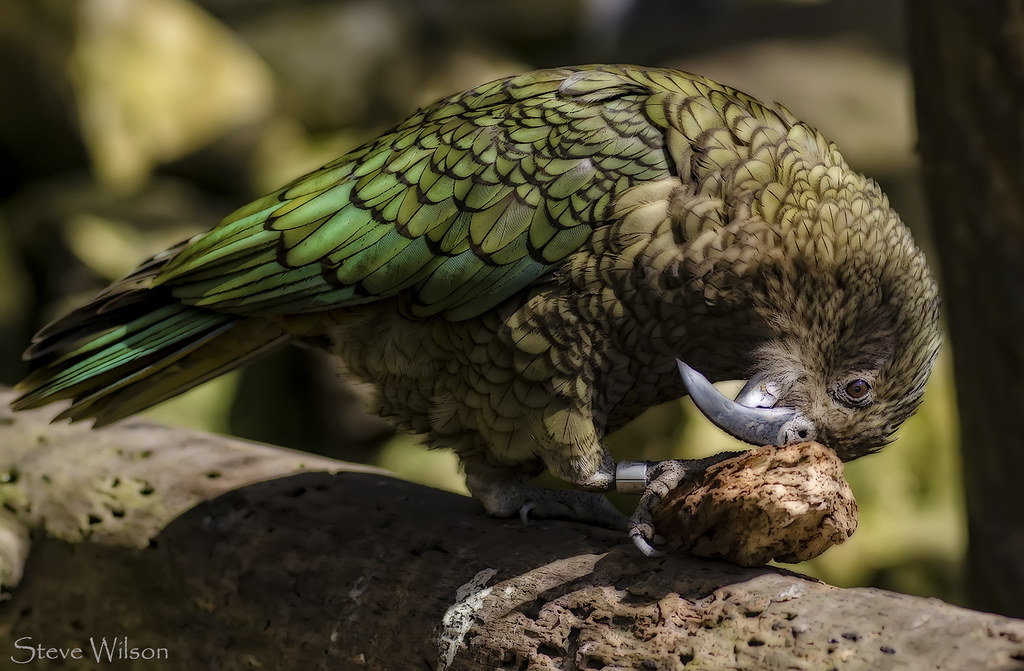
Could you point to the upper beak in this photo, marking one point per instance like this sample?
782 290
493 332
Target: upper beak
753 416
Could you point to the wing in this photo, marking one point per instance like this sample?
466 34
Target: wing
461 206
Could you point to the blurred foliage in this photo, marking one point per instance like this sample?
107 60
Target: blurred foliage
139 124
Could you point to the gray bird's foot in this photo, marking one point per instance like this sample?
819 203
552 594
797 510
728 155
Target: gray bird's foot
575 505
661 478
503 498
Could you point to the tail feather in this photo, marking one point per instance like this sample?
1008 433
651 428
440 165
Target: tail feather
226 348
132 347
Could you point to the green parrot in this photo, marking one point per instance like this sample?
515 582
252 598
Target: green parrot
521 268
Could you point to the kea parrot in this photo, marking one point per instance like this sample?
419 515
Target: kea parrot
521 268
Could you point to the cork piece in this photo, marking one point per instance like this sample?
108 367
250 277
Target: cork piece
787 503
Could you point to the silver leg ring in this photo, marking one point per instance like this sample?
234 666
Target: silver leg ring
631 477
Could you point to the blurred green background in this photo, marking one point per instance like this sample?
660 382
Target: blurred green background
128 126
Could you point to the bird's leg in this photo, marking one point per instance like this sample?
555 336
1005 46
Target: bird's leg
653 480
505 491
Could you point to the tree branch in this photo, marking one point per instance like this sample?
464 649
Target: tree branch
968 62
217 553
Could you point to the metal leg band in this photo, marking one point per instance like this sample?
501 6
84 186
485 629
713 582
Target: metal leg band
631 477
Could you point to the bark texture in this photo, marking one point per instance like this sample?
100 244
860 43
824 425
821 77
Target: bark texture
349 570
968 60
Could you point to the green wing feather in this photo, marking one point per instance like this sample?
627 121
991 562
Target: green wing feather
458 208
461 206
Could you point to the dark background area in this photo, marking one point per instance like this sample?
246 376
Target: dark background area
129 126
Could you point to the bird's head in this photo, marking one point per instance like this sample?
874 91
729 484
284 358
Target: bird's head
851 312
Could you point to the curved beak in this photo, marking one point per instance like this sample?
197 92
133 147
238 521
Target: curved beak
756 421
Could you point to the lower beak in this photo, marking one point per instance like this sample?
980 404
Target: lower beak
752 417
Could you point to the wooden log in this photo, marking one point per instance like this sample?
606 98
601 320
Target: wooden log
210 552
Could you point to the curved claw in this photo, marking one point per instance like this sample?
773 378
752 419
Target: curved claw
646 548
758 426
524 512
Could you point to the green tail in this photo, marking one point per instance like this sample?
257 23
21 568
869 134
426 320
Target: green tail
133 347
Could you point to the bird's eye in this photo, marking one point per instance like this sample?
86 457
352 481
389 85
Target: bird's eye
858 389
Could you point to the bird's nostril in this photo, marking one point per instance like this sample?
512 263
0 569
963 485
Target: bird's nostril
799 432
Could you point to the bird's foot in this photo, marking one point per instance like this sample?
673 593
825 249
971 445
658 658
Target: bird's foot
659 479
507 499
575 505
